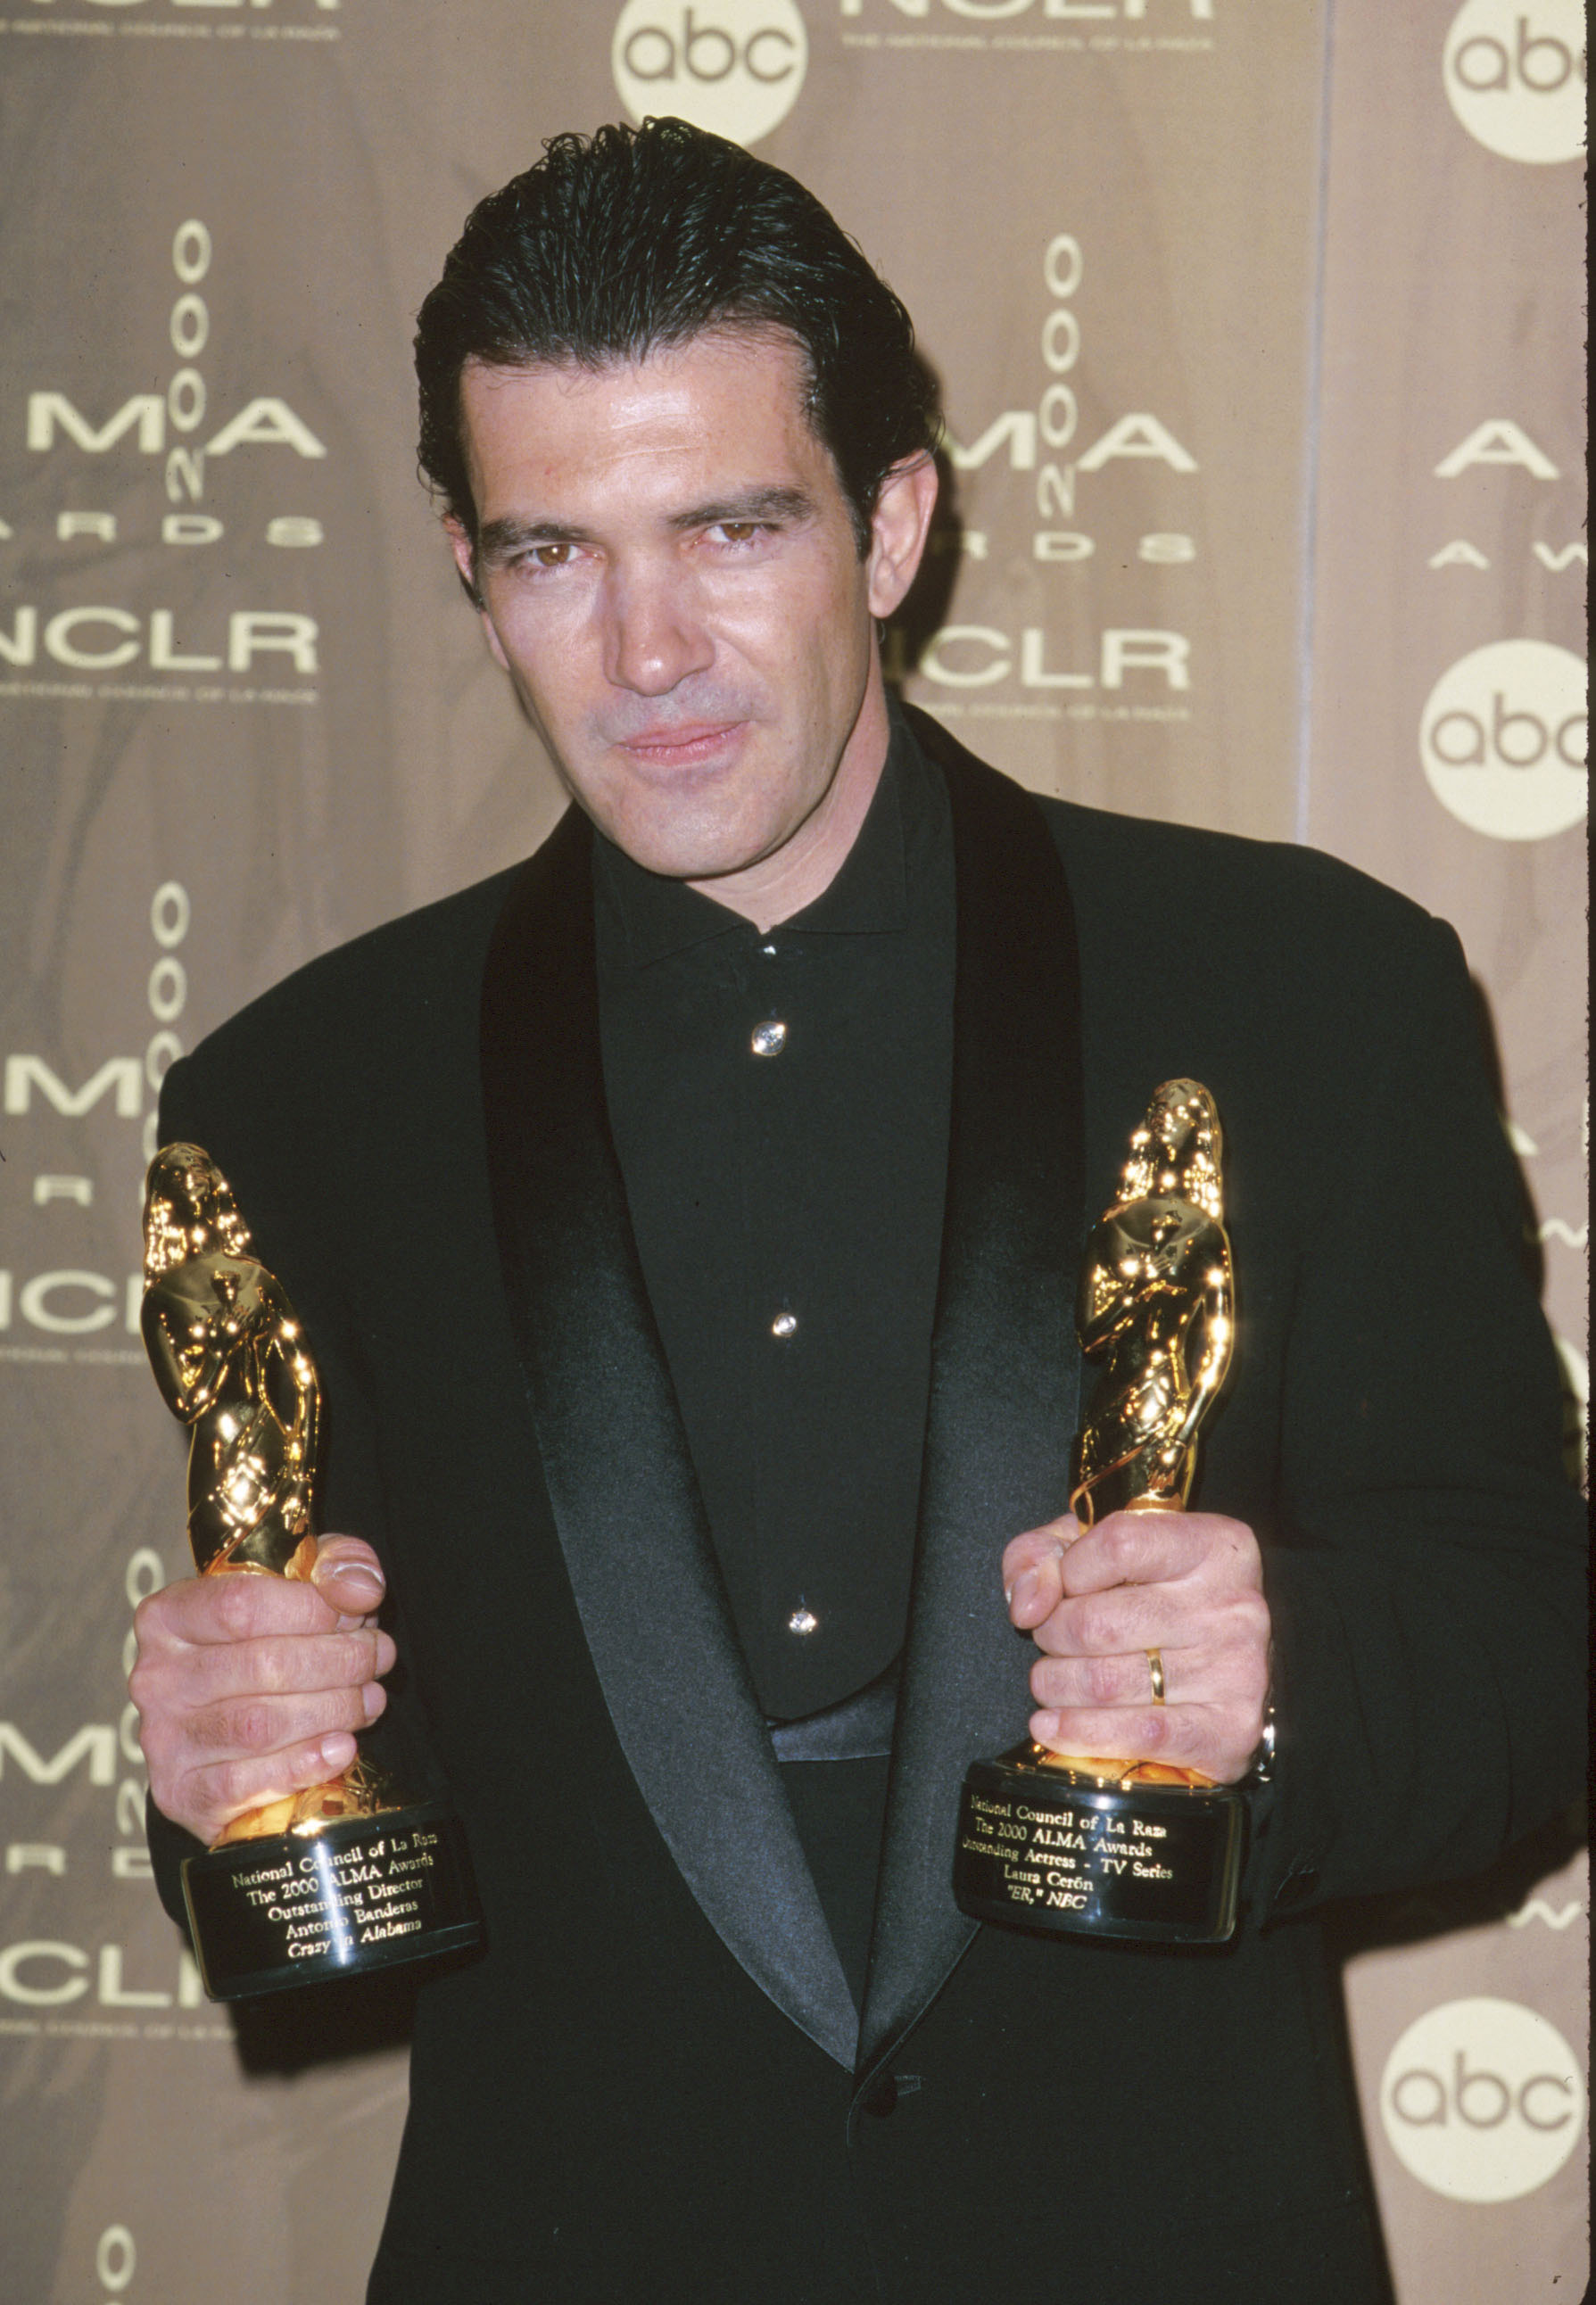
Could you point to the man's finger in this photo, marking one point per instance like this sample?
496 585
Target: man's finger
1138 1548
1032 1587
1212 1714
256 1726
1127 1618
1062 1682
1216 1739
231 1606
214 1795
349 1575
283 1668
1128 1732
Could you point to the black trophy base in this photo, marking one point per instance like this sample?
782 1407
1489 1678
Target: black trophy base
296 1908
1040 1849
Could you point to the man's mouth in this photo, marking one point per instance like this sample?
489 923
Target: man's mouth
681 745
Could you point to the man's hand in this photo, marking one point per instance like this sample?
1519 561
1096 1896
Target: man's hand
1189 1586
248 1687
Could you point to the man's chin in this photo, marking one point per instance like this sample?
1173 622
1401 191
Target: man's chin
681 844
678 860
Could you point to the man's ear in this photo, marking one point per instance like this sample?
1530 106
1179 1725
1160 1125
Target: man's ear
465 552
899 527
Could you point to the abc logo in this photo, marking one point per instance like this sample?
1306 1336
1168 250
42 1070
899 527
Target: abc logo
1503 740
732 66
1515 71
1482 2100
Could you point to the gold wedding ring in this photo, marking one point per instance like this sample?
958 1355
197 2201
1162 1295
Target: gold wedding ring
1155 1667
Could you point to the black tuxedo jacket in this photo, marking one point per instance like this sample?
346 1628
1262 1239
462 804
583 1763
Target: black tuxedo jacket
654 2084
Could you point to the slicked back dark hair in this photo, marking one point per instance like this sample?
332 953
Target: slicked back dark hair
612 246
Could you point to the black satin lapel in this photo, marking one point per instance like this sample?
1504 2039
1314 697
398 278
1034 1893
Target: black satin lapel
1005 1366
615 1456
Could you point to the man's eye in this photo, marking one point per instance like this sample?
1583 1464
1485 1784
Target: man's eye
549 555
740 531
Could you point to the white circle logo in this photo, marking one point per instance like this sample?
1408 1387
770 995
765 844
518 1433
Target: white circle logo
1503 740
1482 2100
1515 71
732 66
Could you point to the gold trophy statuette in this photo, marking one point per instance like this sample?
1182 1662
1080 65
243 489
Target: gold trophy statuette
1076 1844
347 1876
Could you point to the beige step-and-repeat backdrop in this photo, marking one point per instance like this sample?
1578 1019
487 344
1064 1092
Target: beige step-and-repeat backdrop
1258 322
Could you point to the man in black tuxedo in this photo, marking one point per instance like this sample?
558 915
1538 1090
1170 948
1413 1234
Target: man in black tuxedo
684 1224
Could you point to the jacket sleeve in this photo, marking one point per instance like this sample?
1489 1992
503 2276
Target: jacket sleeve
1427 1580
169 1844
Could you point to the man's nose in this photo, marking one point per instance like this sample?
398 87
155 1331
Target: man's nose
654 635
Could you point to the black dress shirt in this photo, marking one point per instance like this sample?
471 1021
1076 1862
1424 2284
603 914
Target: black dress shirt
779 1106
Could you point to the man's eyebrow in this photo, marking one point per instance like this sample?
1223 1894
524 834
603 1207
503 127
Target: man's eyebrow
498 538
773 504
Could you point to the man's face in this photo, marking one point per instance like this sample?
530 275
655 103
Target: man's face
669 577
